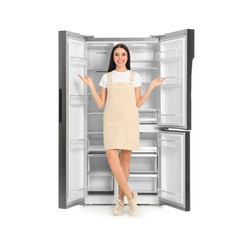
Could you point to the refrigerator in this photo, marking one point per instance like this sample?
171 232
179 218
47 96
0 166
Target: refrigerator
160 170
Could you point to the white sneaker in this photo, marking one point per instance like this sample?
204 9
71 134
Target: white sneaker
118 209
132 205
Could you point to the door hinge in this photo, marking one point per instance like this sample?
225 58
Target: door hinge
86 36
157 36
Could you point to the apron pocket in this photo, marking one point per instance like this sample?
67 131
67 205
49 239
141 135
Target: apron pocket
132 131
111 129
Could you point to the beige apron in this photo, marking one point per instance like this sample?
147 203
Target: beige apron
121 117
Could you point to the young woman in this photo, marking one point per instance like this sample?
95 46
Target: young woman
121 88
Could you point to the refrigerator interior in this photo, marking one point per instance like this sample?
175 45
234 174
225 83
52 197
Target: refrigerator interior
156 170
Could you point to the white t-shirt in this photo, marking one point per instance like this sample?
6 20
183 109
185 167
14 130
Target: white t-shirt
120 77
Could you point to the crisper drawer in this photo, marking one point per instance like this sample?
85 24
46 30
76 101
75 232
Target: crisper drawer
98 162
100 181
143 163
143 183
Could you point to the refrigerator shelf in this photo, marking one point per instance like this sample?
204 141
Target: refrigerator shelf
100 148
148 120
147 110
94 113
94 45
153 45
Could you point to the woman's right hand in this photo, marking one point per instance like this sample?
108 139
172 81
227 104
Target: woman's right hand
86 79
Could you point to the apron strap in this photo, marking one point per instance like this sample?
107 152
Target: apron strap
109 77
132 76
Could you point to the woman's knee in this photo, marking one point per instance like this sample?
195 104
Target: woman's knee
112 155
125 155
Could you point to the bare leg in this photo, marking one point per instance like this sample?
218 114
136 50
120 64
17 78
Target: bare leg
114 162
125 157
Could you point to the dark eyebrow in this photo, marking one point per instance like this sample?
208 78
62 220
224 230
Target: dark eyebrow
117 52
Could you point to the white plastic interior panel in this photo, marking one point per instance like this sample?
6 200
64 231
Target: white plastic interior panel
172 167
98 55
76 139
173 92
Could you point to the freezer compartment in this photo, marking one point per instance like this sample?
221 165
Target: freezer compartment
143 183
98 54
98 162
100 182
143 163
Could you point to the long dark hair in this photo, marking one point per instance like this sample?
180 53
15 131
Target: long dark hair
112 64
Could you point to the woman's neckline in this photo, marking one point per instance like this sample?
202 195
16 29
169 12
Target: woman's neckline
120 72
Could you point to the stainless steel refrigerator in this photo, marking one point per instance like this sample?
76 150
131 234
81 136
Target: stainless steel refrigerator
160 170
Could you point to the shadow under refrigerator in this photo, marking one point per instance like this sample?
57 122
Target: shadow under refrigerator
160 170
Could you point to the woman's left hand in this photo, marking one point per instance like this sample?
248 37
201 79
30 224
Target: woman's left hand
156 82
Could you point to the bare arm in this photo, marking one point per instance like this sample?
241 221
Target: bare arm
100 100
141 99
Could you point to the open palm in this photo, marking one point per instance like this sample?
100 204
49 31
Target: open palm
86 79
156 82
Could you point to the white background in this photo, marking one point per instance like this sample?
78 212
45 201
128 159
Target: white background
29 119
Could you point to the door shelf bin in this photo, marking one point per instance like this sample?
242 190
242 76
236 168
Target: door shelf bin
170 119
75 60
98 162
100 181
143 163
172 81
143 183
174 197
79 99
80 143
